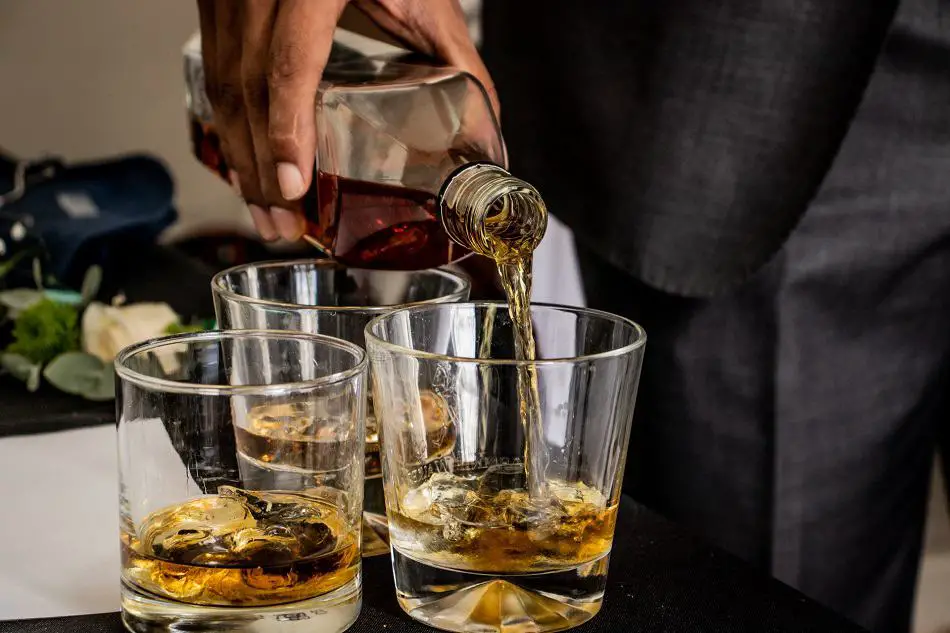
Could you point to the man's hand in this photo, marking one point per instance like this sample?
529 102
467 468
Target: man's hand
263 62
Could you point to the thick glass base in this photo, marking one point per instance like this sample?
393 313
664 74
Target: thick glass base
333 612
469 602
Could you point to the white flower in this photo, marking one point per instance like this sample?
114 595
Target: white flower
108 329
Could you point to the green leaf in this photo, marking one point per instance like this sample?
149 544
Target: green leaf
17 366
18 300
91 283
104 388
10 264
83 375
38 273
180 328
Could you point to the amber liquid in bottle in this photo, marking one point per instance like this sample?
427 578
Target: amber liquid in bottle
371 225
359 223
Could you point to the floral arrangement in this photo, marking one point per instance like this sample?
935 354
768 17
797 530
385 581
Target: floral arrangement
69 340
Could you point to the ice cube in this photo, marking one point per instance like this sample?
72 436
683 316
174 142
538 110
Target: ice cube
502 477
196 529
265 546
285 515
572 496
512 508
241 527
443 498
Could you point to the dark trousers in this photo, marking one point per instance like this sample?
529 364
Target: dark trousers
794 421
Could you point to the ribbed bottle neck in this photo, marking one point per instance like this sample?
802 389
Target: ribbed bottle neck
490 212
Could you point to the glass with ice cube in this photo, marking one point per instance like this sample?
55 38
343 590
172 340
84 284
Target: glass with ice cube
491 532
209 543
324 297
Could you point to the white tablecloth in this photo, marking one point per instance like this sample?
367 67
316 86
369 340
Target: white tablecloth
59 534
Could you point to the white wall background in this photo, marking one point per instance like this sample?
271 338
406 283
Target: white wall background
94 78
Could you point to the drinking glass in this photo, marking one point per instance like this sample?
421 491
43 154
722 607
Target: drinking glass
476 545
241 482
323 297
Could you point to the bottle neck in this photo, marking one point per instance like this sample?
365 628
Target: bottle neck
488 211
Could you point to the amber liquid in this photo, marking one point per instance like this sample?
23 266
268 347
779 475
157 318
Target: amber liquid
242 548
370 225
511 246
206 146
515 276
294 446
358 223
452 522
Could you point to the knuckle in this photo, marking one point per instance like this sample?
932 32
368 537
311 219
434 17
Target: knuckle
281 142
227 99
287 64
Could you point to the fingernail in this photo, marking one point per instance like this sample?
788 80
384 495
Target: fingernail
290 225
235 183
263 223
290 180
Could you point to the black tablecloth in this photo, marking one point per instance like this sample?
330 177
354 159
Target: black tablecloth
661 579
148 273
23 413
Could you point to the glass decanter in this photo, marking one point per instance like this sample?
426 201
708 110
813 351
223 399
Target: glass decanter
410 164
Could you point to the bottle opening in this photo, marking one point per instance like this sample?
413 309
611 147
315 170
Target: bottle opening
490 212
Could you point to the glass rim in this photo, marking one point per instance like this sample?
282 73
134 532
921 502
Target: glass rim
176 386
218 288
638 343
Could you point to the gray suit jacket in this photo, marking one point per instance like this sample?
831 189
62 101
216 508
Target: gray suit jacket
681 139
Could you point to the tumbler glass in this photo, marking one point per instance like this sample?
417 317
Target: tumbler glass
476 545
226 526
323 297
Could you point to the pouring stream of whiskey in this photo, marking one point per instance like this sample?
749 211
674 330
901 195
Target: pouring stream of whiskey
516 280
486 211
511 245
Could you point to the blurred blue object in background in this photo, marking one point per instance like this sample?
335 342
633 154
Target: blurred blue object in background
74 216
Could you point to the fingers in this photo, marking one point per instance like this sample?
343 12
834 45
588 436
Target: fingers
267 58
453 44
258 22
207 26
436 28
303 34
208 16
223 77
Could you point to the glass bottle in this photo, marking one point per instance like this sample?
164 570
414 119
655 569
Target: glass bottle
410 164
